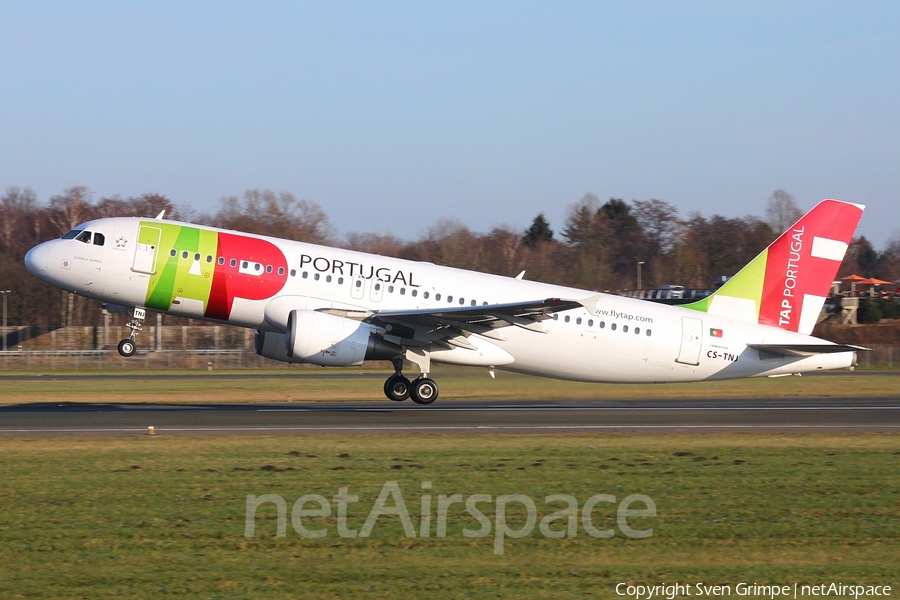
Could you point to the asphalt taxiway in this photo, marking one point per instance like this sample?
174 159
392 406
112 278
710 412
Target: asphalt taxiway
831 414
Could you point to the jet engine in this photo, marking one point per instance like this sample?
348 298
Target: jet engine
324 339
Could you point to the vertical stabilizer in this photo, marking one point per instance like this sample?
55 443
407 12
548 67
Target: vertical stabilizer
786 285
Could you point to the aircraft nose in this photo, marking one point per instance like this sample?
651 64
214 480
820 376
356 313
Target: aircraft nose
36 260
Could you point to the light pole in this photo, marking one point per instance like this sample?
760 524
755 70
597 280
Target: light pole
4 292
640 262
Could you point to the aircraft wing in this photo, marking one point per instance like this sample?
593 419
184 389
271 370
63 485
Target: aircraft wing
806 349
451 325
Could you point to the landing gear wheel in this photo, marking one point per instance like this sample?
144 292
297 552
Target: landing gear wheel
127 348
423 391
396 388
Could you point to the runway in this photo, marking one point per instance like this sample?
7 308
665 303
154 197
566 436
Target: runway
787 415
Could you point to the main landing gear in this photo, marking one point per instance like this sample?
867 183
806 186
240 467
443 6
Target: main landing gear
398 388
127 347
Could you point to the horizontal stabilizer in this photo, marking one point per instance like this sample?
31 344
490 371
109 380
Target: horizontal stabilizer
806 349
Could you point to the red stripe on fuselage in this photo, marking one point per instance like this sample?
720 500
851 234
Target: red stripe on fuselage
230 283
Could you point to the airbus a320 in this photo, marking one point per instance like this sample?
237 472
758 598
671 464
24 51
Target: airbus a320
335 307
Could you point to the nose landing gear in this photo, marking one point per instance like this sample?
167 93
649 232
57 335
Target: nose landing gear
127 347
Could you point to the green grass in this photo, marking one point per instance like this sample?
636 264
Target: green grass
456 384
145 516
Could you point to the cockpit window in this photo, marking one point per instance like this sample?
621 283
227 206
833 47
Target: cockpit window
84 236
99 239
72 234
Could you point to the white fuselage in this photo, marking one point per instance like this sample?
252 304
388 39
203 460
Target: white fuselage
621 340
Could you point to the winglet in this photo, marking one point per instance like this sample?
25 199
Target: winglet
786 285
590 303
161 214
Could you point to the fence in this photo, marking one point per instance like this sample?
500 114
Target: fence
167 347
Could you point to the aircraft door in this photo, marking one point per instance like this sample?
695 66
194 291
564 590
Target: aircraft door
146 250
691 341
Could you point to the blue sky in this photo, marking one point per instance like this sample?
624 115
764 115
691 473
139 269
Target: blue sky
392 115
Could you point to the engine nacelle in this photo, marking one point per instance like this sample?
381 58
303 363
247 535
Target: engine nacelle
324 339
273 345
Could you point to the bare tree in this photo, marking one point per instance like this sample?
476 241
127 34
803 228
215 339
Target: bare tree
17 208
782 211
280 215
659 220
373 243
70 208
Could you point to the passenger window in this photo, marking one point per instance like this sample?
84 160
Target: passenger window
415 293
377 286
555 317
613 326
281 270
172 252
624 328
402 291
305 274
294 273
257 266
197 256
209 258
233 262
648 333
221 260
578 320
184 254
328 279
425 295
316 276
268 268
473 303
602 324
99 239
568 318
590 322
340 281
359 283
437 296
462 301
449 298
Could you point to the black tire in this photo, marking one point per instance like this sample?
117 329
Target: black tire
396 388
127 348
423 391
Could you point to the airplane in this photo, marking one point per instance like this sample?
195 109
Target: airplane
334 307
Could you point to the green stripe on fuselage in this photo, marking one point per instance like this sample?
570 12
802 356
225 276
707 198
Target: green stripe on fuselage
179 277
